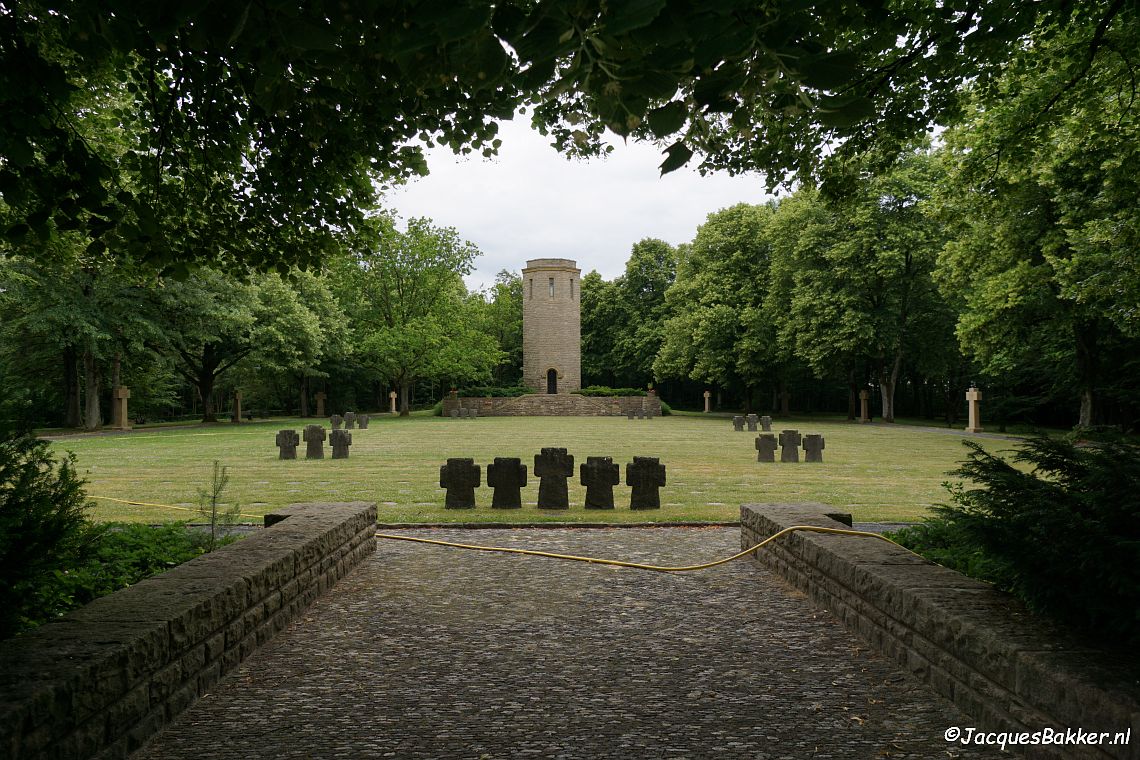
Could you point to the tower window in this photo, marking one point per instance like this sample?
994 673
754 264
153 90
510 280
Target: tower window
571 288
552 287
532 287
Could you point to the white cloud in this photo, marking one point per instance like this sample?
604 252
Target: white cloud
530 202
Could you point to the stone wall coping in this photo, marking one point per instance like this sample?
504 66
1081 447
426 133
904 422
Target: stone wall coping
103 678
981 648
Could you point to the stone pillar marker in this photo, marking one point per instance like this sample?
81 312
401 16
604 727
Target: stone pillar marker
813 448
314 442
790 445
287 441
738 423
864 405
392 400
766 447
708 398
362 421
552 467
599 475
349 420
460 477
340 440
974 397
646 475
766 424
237 408
321 396
507 475
336 421
752 419
120 419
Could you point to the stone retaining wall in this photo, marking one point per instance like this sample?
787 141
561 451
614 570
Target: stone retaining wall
978 647
101 680
554 405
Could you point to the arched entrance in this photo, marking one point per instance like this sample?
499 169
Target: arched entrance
552 381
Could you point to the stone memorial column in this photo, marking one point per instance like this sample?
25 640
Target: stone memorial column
864 405
321 396
974 398
708 398
392 399
120 418
237 408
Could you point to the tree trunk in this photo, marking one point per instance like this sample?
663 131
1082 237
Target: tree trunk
92 416
405 402
887 383
116 370
304 396
205 387
71 388
852 395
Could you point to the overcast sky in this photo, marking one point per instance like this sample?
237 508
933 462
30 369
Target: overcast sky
529 202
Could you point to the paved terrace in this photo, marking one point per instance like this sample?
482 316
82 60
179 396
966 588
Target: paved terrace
428 652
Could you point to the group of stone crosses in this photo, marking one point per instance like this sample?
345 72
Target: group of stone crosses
314 437
465 412
507 476
641 413
789 442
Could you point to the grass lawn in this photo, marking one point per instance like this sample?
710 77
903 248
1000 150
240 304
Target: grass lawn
875 472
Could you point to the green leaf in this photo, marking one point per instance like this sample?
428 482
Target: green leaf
667 119
846 115
626 15
829 72
677 155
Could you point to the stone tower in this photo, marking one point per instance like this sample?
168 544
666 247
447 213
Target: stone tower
552 325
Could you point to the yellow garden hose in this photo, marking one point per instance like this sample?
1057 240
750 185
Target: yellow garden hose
162 506
638 565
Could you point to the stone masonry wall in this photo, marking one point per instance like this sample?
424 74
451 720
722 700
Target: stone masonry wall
559 405
552 325
101 680
979 648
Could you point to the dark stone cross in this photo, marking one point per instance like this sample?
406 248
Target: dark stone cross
630 414
460 477
340 441
507 475
287 440
645 475
752 420
813 448
738 423
454 414
765 447
552 467
314 442
349 420
790 445
336 420
362 420
766 424
599 475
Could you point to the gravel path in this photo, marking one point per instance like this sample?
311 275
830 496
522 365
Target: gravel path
429 652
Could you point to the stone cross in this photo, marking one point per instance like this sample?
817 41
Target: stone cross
340 440
460 477
738 423
314 442
120 418
813 448
641 413
552 467
765 447
507 475
472 412
336 420
708 397
349 420
454 414
974 397
766 424
599 475
237 407
321 396
646 475
392 399
630 414
790 445
864 405
362 421
287 441
752 419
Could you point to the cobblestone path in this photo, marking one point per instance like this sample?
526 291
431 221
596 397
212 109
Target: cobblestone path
428 652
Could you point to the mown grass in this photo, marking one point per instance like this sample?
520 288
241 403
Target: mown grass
878 473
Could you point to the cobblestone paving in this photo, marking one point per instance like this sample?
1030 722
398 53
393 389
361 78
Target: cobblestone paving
429 652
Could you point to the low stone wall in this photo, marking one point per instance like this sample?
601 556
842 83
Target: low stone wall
554 405
101 680
978 647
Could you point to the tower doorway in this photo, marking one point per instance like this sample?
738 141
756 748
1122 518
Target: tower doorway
552 381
